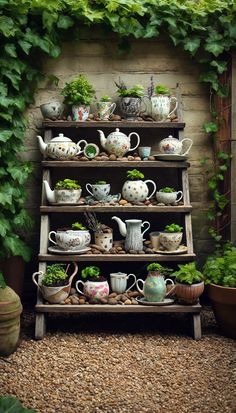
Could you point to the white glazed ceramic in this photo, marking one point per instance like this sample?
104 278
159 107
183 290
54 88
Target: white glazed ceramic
173 146
60 147
119 282
155 239
91 150
169 197
104 240
131 229
137 191
70 239
105 109
62 196
171 240
118 143
93 290
154 287
52 110
161 107
99 192
80 112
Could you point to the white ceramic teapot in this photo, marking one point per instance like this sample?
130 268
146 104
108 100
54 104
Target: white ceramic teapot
117 143
173 146
60 147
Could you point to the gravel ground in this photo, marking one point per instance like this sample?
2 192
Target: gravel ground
122 363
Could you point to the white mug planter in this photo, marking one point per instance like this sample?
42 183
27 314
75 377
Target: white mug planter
99 192
161 107
171 240
169 197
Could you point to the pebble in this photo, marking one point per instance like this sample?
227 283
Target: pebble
112 295
123 202
84 159
149 251
112 301
112 157
121 252
97 247
130 158
151 158
82 301
104 158
133 252
127 302
104 300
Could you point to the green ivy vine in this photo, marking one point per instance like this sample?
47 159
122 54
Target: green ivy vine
205 29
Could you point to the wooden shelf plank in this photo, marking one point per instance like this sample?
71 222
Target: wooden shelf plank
115 164
107 308
111 209
116 257
113 124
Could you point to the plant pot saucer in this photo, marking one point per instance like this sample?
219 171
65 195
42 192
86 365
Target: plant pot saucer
170 157
110 198
57 250
143 301
183 249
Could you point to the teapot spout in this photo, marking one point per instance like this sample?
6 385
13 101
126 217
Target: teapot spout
102 139
49 193
122 226
42 144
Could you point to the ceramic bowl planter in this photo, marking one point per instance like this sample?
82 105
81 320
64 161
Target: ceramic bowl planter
171 241
96 287
73 240
52 110
223 300
169 197
62 196
189 294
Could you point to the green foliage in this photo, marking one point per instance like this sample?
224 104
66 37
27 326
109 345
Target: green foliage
55 275
91 272
105 98
154 266
101 183
67 184
162 90
13 405
136 91
2 281
173 228
220 268
78 226
78 91
188 274
134 174
167 190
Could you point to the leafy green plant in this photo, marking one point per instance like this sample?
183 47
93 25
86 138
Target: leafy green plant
13 405
91 272
55 276
167 190
220 268
2 281
162 90
173 228
101 183
78 91
105 98
78 226
134 174
188 274
154 266
67 184
136 91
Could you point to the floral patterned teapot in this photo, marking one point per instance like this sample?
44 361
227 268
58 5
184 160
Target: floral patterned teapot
60 147
173 146
117 143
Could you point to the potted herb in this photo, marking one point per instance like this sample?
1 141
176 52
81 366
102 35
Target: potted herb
105 107
67 191
55 283
168 195
189 283
103 235
135 189
79 93
77 238
154 287
172 236
161 102
130 99
220 276
95 288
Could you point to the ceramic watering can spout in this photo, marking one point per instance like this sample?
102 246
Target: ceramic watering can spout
49 193
42 144
122 226
102 139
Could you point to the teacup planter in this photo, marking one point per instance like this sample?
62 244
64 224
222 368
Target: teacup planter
67 191
161 103
135 189
55 283
168 195
74 239
171 237
96 288
100 190
105 107
130 100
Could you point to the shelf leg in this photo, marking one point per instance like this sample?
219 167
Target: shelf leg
197 329
40 326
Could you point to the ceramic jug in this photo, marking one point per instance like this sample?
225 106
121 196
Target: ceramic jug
131 230
154 287
161 107
119 282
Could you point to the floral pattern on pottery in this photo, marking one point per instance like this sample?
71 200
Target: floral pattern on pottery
173 146
169 197
105 109
161 107
60 147
94 290
71 239
171 240
99 192
104 240
154 287
80 113
137 191
118 143
67 196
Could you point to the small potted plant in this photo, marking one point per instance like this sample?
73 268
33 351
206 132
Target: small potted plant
135 189
161 101
189 283
79 93
168 195
55 283
100 190
130 99
76 238
220 277
66 191
95 287
171 237
103 235
105 107
154 287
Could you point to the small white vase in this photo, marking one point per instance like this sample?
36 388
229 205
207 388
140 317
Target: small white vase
104 240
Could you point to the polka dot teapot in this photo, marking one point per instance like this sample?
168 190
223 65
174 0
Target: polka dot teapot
60 147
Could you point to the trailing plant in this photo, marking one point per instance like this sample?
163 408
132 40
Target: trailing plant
67 184
92 272
220 268
161 90
77 226
105 98
55 276
136 91
173 228
78 91
154 266
188 274
134 174
167 190
101 183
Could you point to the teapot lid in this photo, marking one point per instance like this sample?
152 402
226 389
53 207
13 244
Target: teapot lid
61 138
117 131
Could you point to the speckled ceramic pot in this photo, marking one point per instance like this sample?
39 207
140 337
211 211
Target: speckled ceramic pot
67 196
137 191
161 107
171 240
104 240
93 290
99 192
169 197
71 239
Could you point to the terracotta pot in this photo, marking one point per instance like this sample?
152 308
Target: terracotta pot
189 294
223 301
13 270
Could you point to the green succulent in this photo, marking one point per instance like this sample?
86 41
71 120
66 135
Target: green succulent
173 228
167 190
67 184
188 274
136 91
55 275
78 91
91 272
101 183
134 174
78 226
161 90
105 98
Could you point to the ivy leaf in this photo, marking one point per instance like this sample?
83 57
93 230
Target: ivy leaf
5 134
7 26
55 51
10 49
210 77
214 47
26 46
210 127
6 116
15 246
64 22
4 225
220 65
23 220
192 44
49 19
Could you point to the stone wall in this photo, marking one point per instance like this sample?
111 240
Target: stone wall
100 59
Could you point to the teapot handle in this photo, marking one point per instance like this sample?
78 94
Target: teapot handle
172 282
77 288
138 140
154 185
174 99
135 281
190 146
139 289
79 147
145 222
